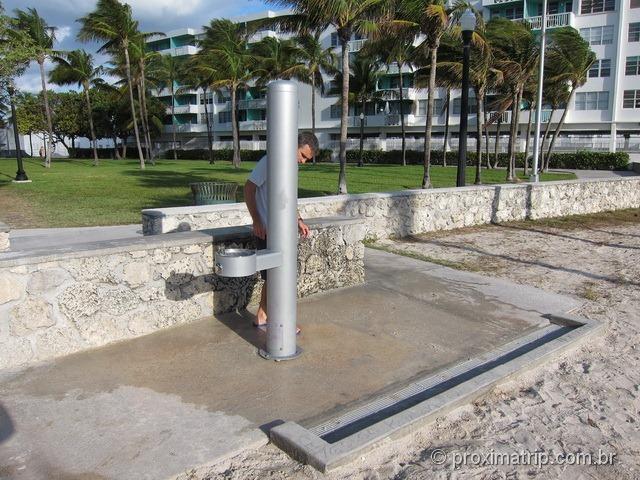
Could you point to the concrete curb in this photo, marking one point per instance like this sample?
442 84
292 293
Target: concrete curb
308 447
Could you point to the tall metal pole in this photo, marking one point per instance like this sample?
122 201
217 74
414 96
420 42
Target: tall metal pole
536 141
464 109
282 178
21 175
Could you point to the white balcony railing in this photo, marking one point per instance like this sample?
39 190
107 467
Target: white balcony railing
553 21
394 93
356 45
257 103
186 50
186 128
181 109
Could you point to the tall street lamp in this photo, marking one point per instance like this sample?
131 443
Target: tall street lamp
21 175
536 140
468 25
360 163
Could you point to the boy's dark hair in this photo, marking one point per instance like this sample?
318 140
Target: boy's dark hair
308 138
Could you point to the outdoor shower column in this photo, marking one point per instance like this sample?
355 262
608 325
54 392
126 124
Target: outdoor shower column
282 236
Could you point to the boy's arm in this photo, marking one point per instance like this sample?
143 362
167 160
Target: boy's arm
259 229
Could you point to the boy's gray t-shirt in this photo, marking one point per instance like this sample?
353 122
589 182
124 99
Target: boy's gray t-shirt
259 178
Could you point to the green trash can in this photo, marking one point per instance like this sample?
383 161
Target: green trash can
212 193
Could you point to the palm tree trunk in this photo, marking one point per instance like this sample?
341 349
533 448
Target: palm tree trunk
512 137
556 134
544 140
145 115
173 122
479 97
497 143
143 123
344 114
486 131
93 132
133 106
116 150
208 120
446 128
30 144
47 110
526 143
360 163
426 177
404 136
313 110
234 128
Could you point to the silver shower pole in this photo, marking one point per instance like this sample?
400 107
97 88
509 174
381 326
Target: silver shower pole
282 181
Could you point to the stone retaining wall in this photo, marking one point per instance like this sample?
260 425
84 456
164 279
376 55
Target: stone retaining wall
4 237
53 304
418 211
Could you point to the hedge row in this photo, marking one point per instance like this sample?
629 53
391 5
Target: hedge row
582 160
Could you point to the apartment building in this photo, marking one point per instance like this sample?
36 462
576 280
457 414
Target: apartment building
604 115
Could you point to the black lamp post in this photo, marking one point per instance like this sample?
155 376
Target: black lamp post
468 25
21 175
360 163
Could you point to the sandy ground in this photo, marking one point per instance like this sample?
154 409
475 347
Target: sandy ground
585 403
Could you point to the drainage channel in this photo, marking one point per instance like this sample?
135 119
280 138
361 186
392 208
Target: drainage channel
340 439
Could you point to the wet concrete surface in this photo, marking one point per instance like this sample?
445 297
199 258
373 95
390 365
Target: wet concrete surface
158 405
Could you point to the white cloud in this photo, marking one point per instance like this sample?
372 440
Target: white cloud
62 33
163 8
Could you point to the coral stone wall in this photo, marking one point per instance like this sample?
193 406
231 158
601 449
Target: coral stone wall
65 302
419 211
4 237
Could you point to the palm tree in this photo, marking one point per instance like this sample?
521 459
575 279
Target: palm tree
556 95
112 22
348 17
168 69
42 37
432 20
144 57
277 59
395 49
201 74
77 67
516 55
316 60
570 58
363 86
226 44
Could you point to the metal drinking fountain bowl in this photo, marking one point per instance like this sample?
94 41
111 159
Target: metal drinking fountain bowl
244 262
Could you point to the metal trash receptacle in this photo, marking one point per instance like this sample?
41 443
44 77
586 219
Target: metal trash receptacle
212 193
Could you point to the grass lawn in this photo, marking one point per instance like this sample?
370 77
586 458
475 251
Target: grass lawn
74 193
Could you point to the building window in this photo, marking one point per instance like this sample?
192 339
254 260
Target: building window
334 39
631 99
633 66
592 101
224 117
597 6
634 32
598 35
336 111
600 68
513 13
457 104
635 3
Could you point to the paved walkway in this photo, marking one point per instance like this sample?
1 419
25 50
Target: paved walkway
599 173
191 396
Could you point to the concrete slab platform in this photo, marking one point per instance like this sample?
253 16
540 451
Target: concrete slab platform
191 396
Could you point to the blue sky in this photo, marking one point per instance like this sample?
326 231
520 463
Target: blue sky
153 15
